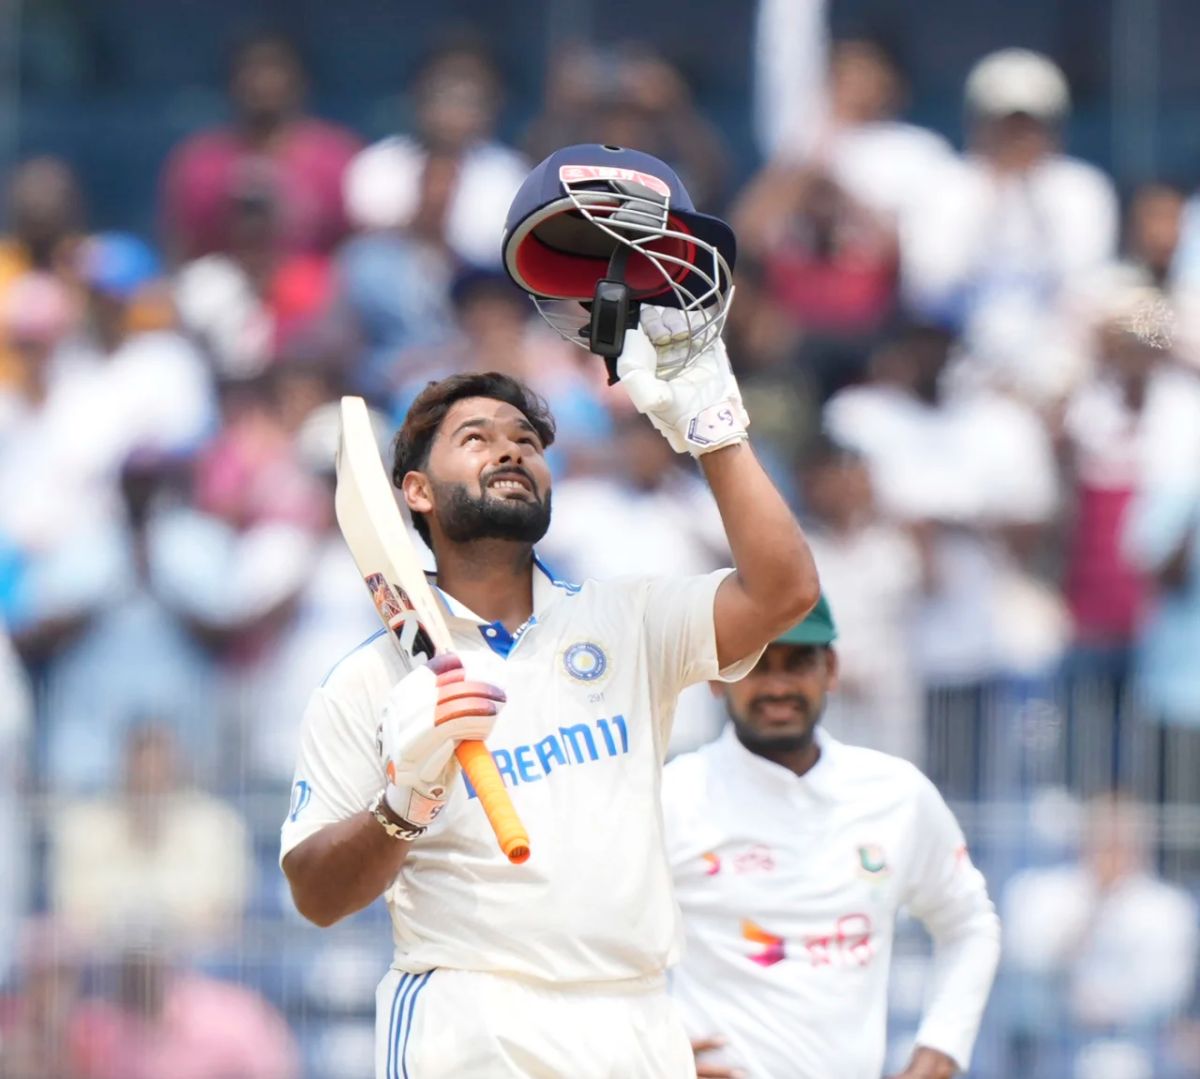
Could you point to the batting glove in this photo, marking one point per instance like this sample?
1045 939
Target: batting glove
427 714
698 410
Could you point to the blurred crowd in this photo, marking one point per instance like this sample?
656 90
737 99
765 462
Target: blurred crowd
976 374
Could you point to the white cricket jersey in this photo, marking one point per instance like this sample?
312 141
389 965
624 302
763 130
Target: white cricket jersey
789 887
591 682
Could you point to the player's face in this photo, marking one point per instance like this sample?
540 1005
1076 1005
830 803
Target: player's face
779 703
487 475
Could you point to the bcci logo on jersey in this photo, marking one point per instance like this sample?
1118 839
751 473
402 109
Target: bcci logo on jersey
585 661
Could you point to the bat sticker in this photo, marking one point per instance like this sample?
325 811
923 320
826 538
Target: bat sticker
398 612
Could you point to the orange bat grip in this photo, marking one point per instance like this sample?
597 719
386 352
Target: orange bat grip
481 770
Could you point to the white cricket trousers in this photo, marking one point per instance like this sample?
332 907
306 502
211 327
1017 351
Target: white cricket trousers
455 1024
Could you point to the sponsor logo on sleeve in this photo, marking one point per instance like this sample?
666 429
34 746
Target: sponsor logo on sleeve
301 796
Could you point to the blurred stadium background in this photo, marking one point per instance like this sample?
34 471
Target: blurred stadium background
966 328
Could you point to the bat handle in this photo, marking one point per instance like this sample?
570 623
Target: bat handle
481 770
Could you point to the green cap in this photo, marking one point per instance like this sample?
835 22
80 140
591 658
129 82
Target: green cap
817 628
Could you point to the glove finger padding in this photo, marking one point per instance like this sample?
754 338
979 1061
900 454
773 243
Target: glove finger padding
635 368
664 325
467 706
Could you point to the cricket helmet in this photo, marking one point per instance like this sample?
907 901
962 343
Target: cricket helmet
590 214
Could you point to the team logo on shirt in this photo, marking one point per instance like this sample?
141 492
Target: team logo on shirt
872 861
585 661
301 796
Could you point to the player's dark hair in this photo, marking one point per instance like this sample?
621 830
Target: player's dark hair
410 450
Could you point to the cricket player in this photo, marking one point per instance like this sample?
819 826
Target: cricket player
553 969
791 855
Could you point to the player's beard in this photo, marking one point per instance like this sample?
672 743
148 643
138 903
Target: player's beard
766 744
465 517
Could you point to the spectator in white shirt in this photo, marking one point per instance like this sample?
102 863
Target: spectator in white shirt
156 855
842 118
457 96
975 476
85 407
873 572
1001 235
1121 941
879 159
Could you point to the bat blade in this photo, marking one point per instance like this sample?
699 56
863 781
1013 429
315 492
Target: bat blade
373 527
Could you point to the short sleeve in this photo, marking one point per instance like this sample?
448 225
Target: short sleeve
681 636
338 772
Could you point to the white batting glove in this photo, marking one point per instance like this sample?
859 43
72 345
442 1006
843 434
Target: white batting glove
427 714
698 410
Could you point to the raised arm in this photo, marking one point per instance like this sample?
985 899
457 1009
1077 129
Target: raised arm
775 584
700 412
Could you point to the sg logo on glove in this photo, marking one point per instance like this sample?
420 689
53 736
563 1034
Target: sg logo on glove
713 424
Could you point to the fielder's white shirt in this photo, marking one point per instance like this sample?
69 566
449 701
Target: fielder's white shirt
789 887
591 681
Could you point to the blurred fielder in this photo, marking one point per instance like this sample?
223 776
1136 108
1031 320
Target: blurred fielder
554 968
792 855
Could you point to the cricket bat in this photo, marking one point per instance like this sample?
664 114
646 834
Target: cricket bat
374 531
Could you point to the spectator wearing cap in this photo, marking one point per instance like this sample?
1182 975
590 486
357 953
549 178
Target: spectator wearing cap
1001 234
450 182
271 138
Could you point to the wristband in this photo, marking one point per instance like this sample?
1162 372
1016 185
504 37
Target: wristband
403 830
